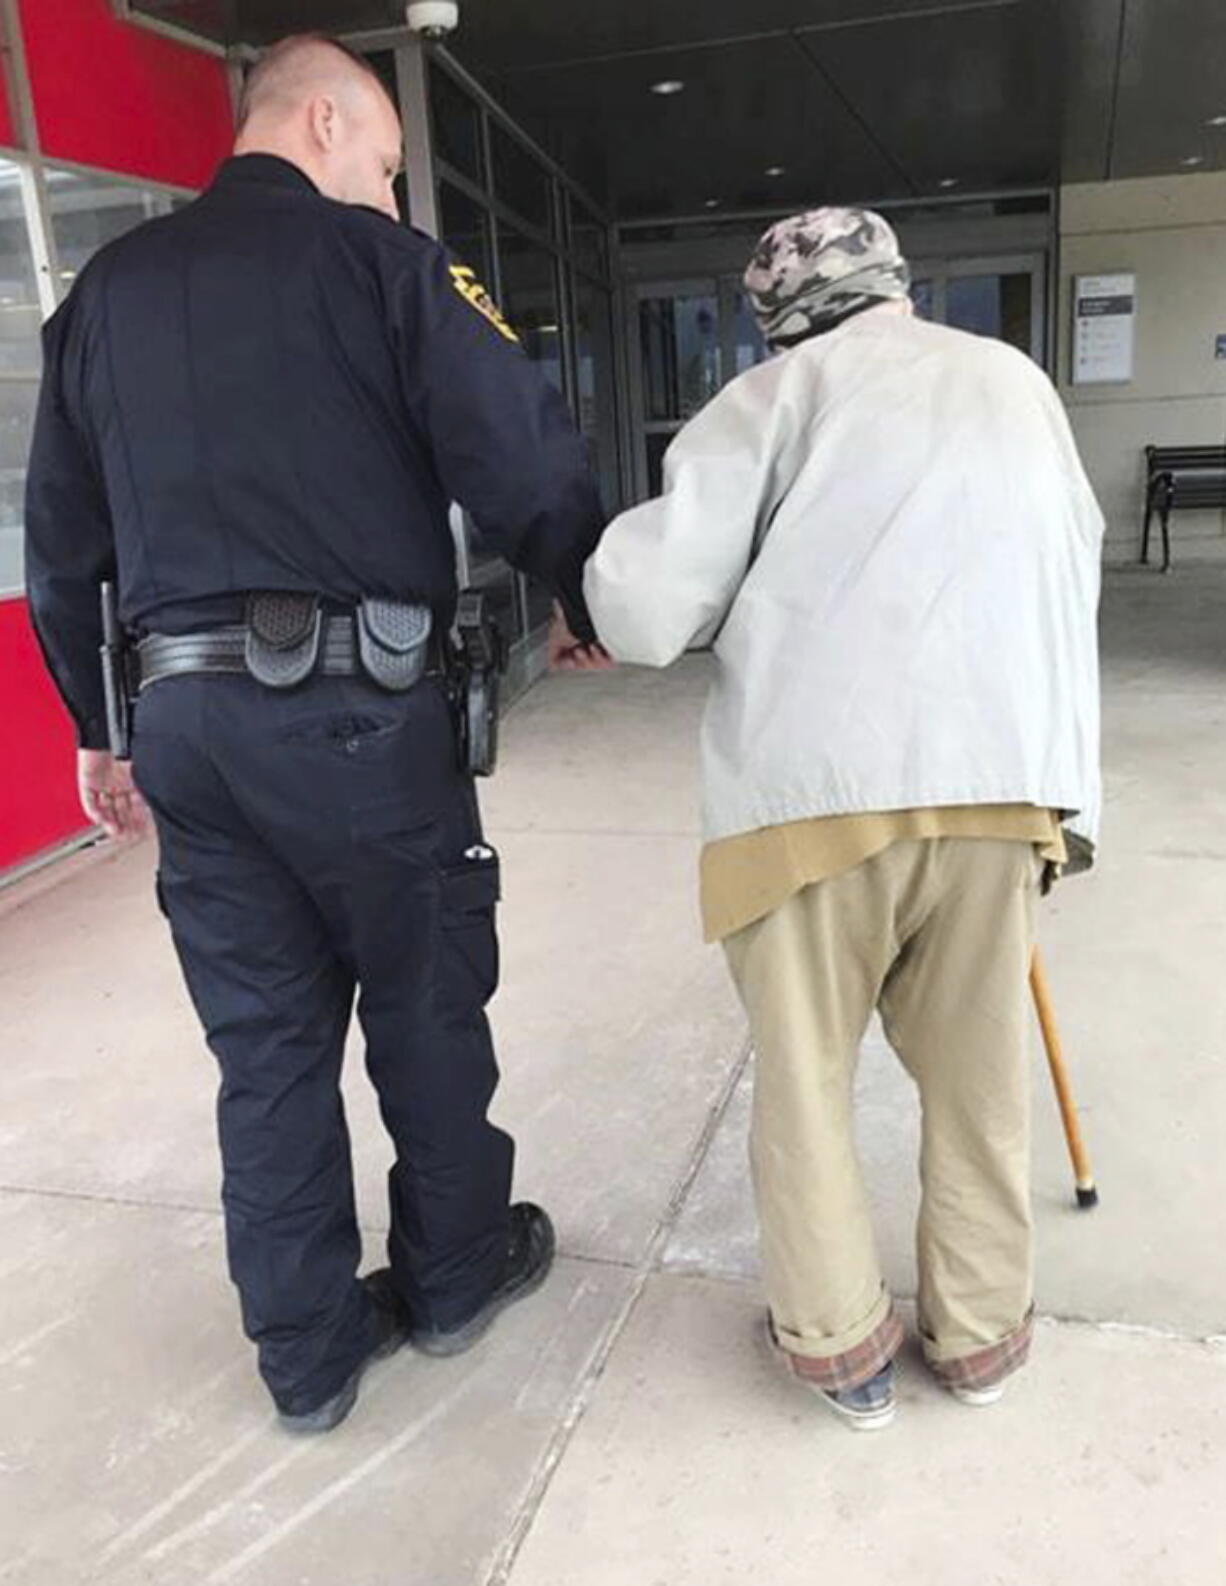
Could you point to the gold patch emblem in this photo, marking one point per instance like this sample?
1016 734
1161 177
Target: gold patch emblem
470 289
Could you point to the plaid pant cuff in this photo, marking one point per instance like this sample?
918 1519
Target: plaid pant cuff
854 1367
988 1366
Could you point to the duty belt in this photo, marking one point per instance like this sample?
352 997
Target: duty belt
287 639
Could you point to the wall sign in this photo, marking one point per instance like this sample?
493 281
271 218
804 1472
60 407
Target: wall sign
1104 328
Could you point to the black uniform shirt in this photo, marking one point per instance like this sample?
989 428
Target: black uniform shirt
270 390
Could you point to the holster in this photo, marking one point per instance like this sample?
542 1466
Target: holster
283 632
393 640
480 662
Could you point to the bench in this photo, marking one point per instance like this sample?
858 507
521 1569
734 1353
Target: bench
1180 477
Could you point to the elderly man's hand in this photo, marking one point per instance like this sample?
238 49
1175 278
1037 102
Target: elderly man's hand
109 796
567 654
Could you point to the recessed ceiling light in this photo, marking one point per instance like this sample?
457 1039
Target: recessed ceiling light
670 85
1216 121
776 170
713 203
948 182
1193 159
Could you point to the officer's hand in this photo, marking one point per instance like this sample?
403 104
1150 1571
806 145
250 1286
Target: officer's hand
109 796
567 654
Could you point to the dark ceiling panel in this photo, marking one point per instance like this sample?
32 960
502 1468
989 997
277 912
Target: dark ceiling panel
271 19
262 21
857 98
966 96
518 34
745 108
206 17
1090 47
1173 80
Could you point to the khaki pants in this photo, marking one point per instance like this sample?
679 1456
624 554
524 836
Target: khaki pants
937 934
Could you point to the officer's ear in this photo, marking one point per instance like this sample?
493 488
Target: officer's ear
323 121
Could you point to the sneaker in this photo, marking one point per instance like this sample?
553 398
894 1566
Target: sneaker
530 1253
391 1331
978 1397
869 1408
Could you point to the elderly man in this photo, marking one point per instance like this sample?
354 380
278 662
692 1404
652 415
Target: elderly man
887 532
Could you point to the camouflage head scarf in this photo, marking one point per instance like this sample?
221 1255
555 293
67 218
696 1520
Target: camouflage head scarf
813 271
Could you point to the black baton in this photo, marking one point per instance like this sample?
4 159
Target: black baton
114 679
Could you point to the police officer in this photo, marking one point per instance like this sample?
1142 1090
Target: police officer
255 413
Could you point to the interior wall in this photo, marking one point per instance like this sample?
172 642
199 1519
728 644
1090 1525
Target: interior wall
1171 232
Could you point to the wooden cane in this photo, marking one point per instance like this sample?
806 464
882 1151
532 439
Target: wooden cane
1087 1192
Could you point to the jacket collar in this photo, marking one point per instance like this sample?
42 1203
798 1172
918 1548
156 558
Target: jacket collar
263 170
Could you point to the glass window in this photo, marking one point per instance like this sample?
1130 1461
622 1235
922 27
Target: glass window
596 398
748 342
20 363
384 63
20 316
529 299
465 227
923 299
519 181
457 126
18 401
658 442
679 337
992 305
529 292
589 239
87 212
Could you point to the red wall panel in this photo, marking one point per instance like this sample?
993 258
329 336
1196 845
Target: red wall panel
114 95
38 796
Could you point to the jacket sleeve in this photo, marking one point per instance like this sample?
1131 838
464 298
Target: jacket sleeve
69 545
502 437
666 572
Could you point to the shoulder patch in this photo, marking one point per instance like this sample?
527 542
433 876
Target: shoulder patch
470 289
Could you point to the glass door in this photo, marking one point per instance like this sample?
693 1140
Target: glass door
687 339
1004 298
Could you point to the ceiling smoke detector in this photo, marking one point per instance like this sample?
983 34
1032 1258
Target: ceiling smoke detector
432 19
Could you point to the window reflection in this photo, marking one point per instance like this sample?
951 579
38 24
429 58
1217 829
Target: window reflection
87 212
20 362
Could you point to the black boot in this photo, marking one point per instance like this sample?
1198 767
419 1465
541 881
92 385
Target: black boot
529 1257
391 1322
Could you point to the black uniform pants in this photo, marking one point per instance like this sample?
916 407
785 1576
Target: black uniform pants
315 845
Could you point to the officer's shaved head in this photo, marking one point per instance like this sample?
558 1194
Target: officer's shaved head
313 102
296 69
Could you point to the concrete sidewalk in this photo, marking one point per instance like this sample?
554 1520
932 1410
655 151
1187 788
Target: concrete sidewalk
624 1428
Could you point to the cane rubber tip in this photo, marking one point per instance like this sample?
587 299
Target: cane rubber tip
1087 1196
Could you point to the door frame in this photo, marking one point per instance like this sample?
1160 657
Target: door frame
723 286
941 270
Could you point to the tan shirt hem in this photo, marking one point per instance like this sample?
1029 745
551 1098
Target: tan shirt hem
747 877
